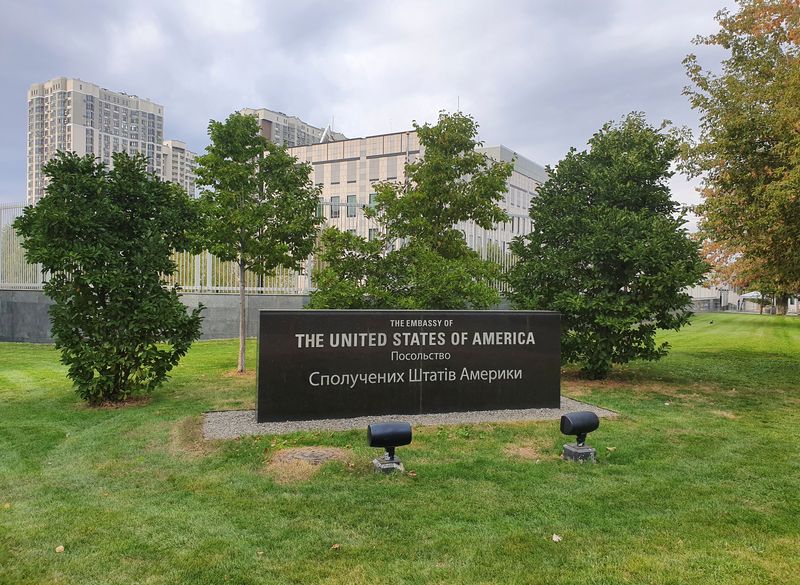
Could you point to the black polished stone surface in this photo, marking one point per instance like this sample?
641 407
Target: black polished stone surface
337 364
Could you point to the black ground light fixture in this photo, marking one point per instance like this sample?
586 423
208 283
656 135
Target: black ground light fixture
579 424
389 436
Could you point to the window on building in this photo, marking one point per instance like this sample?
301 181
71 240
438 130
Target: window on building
373 233
351 206
334 207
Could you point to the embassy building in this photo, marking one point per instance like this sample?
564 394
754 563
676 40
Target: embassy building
346 171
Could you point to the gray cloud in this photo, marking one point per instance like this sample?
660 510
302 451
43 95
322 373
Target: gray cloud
539 77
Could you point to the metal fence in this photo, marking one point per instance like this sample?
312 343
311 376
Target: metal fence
205 273
15 272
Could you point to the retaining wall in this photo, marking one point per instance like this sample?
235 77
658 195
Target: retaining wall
23 316
23 313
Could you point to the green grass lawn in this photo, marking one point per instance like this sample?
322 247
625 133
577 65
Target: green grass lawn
698 481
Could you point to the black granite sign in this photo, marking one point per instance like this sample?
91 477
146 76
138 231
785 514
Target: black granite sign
337 364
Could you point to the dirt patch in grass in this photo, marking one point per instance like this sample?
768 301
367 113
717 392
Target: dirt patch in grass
186 438
247 374
575 387
298 464
530 450
725 414
131 401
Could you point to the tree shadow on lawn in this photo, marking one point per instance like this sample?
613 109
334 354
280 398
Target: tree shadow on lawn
574 386
731 386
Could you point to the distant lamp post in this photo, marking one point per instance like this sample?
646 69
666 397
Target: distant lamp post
388 436
579 424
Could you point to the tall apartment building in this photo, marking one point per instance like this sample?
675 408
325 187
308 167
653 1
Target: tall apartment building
179 165
75 115
346 170
288 130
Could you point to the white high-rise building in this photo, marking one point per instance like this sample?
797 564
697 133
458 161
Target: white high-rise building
180 165
75 115
288 130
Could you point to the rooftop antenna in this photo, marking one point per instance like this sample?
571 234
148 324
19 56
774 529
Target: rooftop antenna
327 133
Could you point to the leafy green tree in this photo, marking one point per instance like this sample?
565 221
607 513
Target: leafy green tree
260 210
749 147
608 249
106 237
419 259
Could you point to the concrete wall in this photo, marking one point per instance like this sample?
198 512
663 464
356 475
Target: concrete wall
23 314
221 314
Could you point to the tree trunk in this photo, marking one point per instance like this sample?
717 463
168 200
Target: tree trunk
242 318
782 302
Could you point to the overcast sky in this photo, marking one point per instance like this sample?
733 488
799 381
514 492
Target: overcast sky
539 76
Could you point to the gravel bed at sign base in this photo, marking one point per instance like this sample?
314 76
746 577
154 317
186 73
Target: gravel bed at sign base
238 423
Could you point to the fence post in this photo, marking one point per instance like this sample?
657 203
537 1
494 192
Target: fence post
209 271
306 283
2 243
197 273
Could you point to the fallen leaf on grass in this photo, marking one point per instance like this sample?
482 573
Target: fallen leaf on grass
412 474
612 449
7 505
336 546
260 553
556 538
59 549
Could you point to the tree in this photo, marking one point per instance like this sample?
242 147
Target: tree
749 145
419 259
261 209
608 249
106 237
730 267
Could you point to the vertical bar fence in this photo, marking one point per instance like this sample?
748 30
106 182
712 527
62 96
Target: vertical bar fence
15 272
206 273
